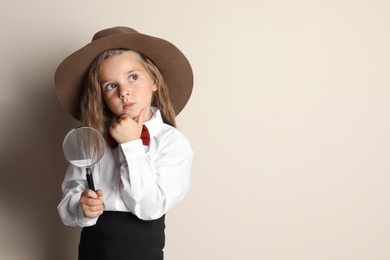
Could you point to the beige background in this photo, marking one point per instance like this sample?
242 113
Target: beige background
289 120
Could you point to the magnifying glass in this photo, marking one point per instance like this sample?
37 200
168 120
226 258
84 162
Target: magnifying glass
84 147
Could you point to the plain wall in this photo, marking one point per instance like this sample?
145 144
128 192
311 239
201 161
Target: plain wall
289 121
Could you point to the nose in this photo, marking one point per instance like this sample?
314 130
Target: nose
123 90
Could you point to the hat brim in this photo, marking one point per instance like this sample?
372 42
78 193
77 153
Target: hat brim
173 65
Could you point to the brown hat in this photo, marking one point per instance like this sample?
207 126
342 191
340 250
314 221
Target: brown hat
173 65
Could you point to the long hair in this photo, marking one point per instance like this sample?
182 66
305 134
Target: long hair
93 110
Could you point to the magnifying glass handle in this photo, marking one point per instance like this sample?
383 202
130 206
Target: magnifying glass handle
89 179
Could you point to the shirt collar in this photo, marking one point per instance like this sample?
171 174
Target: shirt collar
155 123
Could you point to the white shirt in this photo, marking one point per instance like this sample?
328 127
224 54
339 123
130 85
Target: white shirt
144 180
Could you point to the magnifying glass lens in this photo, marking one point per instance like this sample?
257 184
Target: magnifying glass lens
84 147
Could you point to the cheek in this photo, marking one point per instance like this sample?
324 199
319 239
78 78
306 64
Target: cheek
105 100
108 100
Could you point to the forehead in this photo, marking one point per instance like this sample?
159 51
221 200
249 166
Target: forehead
124 58
121 63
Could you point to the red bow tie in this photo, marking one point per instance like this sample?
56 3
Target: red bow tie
145 137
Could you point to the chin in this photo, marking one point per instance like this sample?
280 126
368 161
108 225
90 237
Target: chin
132 115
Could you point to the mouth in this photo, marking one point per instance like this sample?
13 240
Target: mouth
128 105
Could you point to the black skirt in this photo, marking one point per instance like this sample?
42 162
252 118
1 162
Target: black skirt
121 235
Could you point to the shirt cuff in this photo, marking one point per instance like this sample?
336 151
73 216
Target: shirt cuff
132 150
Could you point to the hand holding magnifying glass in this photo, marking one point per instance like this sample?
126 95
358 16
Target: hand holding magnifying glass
84 147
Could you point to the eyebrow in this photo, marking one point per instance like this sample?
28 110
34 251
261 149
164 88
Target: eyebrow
132 71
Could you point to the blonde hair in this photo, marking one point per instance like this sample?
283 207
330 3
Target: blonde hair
93 110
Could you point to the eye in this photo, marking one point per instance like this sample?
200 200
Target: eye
109 87
133 77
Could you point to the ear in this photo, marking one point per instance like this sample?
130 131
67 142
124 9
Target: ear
154 87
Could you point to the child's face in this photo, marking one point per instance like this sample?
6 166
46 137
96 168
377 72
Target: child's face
127 88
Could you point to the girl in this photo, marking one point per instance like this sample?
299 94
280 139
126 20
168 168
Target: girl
129 86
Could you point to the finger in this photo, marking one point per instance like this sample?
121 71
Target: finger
123 117
141 116
90 194
99 193
92 212
113 126
93 203
95 212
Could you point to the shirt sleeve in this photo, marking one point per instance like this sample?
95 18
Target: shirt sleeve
151 186
69 208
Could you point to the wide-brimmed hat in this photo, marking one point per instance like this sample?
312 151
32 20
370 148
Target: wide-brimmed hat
173 65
